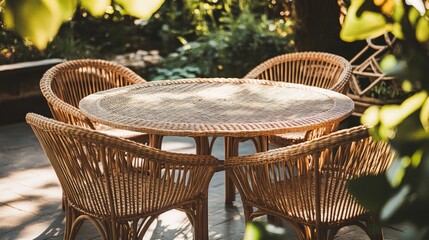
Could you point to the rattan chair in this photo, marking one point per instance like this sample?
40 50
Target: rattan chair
317 69
65 84
121 186
306 184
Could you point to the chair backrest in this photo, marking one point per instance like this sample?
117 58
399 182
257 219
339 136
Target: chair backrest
65 84
110 177
307 181
319 69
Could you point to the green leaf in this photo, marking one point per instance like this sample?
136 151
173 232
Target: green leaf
67 8
422 30
140 8
38 21
367 25
398 11
371 116
413 15
393 115
96 8
424 115
396 30
395 203
396 171
258 230
371 192
254 231
388 62
407 86
398 70
416 158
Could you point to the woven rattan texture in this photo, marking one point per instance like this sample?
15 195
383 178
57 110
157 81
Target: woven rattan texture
306 183
121 186
319 69
217 107
65 84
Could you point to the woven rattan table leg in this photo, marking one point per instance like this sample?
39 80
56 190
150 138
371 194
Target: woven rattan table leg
203 146
155 140
231 150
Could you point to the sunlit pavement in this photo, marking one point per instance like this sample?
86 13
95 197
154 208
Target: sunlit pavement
30 196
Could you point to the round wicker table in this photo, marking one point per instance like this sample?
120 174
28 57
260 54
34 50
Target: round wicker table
216 107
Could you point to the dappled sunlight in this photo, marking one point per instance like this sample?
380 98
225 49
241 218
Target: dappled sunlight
19 203
40 183
221 93
42 227
203 106
156 98
189 104
30 199
171 225
179 144
30 194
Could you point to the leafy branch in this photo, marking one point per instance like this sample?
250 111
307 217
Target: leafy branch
39 21
405 126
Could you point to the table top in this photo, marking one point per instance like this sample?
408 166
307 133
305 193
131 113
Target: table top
217 107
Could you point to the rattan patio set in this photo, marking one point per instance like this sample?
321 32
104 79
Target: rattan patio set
105 145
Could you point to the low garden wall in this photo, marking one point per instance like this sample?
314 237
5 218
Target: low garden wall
20 92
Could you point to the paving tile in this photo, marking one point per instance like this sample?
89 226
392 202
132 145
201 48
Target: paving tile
27 226
30 196
14 136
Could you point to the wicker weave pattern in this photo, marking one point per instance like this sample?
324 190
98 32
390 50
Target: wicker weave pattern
317 69
217 107
65 84
115 183
306 183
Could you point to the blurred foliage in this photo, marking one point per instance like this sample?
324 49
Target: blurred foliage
405 186
259 230
190 19
14 49
81 37
237 40
39 21
176 73
197 38
386 91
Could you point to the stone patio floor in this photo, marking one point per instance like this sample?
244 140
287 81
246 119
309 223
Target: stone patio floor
30 197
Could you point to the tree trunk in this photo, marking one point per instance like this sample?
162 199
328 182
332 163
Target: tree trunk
317 26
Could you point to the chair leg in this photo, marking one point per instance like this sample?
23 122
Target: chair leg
373 228
63 202
378 234
201 228
231 150
143 139
72 226
248 210
69 220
